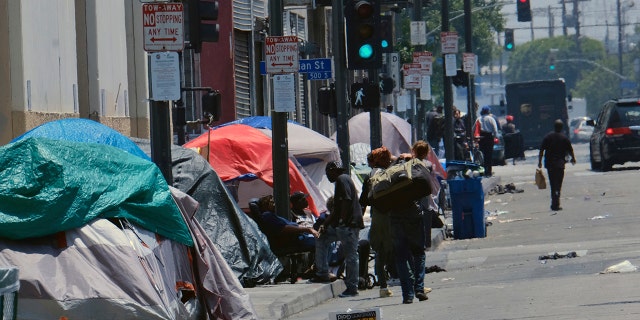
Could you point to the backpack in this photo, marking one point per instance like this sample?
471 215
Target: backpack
399 185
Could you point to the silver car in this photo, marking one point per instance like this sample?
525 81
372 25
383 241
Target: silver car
579 131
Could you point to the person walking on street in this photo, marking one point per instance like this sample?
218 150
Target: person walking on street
343 224
555 147
379 232
488 130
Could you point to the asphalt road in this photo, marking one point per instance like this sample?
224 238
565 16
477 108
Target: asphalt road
502 276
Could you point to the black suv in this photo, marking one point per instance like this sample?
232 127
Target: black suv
616 134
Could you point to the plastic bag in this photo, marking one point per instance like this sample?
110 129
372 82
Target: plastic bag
540 181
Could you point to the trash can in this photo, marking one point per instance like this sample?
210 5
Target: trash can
9 286
467 207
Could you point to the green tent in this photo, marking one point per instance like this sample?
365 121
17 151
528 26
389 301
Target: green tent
48 186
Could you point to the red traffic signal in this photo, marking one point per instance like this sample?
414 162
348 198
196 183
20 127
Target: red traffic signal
524 10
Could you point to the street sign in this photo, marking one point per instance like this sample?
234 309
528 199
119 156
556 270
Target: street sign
425 59
282 54
163 26
316 69
449 42
469 62
418 33
164 69
412 77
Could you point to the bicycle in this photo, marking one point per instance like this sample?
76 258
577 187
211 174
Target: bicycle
470 150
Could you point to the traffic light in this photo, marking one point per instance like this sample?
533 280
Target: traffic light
212 105
461 79
524 10
386 34
386 85
508 40
552 64
365 95
363 34
201 16
327 104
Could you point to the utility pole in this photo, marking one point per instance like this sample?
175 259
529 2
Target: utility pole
564 19
448 91
339 58
551 22
576 21
471 89
619 11
279 147
417 129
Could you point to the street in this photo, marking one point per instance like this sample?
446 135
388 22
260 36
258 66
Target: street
502 276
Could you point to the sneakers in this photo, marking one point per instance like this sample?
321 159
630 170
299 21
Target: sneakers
421 296
407 301
385 292
348 293
427 290
317 279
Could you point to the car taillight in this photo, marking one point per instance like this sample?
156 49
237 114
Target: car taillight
617 131
496 141
576 131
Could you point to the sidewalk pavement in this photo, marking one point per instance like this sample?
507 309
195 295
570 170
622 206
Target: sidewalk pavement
282 300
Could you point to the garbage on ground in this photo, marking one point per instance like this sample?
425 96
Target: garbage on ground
600 217
514 220
508 188
434 268
447 279
557 255
624 266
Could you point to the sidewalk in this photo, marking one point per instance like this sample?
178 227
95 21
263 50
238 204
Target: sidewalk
282 300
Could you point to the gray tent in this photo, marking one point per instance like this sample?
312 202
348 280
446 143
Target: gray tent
237 237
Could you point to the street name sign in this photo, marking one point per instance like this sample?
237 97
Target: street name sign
163 26
316 69
282 54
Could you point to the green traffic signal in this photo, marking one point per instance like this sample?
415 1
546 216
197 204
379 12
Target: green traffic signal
365 51
509 46
552 67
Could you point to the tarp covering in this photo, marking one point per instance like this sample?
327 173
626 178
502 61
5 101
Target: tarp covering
240 152
237 237
395 131
56 185
83 130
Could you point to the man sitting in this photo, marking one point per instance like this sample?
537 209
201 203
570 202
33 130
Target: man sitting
284 236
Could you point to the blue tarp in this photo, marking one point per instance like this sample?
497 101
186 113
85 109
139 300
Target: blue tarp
84 130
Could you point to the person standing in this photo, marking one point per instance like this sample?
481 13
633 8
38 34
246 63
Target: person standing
379 232
343 224
435 127
488 130
555 147
459 134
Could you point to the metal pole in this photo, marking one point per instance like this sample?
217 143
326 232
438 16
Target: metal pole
468 45
279 146
420 104
374 115
619 11
339 59
448 93
160 131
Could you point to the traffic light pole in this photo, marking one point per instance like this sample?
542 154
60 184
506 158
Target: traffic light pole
374 114
448 93
339 58
471 89
417 119
279 147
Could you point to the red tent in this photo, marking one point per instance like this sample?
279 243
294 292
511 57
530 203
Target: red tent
242 153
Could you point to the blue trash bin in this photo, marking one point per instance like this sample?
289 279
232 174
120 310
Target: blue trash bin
467 206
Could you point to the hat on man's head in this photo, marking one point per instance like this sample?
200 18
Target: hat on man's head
485 110
509 117
298 195
333 165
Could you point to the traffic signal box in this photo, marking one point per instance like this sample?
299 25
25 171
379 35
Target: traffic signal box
362 34
508 40
365 95
201 15
386 34
524 10
327 103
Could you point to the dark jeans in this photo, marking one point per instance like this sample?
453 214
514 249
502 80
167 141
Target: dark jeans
409 246
556 176
486 146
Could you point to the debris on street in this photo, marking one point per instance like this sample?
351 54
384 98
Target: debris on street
624 266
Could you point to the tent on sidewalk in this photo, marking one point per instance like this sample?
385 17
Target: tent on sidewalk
239 240
242 156
395 131
311 149
105 238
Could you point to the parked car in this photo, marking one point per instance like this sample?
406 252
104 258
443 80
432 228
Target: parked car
616 134
498 150
579 131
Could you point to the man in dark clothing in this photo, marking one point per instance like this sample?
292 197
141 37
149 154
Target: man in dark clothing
435 127
555 147
343 224
284 236
488 130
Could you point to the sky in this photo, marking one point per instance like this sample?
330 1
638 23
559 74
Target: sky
594 16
